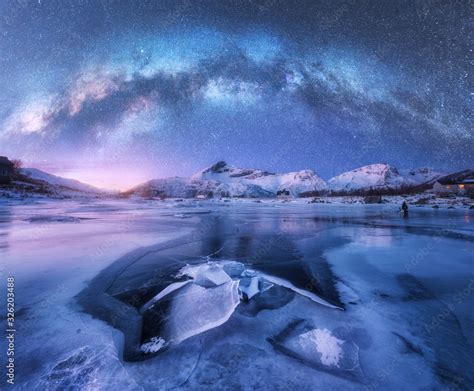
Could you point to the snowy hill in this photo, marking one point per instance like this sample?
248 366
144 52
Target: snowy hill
294 183
57 181
374 176
31 182
221 179
382 177
421 176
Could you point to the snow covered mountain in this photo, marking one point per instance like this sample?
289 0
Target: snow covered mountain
55 180
421 176
35 181
382 177
223 180
374 176
292 183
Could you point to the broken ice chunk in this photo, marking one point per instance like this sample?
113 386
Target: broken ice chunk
169 289
155 345
249 287
269 298
207 275
211 275
233 269
249 273
197 309
210 297
188 271
289 285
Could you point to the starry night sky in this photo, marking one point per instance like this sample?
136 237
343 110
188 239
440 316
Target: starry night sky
116 92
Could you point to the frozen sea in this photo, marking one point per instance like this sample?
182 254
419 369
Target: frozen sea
337 297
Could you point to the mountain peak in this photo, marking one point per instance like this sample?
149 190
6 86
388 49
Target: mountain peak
372 176
220 166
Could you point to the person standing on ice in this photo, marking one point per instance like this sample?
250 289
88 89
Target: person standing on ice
404 209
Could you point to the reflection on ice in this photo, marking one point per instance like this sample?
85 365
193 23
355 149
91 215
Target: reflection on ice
375 237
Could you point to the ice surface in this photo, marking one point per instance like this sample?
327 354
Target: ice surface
404 285
183 215
86 368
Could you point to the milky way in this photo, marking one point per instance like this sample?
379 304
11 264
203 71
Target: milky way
165 88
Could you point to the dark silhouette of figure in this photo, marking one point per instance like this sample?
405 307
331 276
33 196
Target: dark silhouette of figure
404 209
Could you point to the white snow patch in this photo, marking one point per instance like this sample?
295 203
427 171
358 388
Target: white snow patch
155 345
325 344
